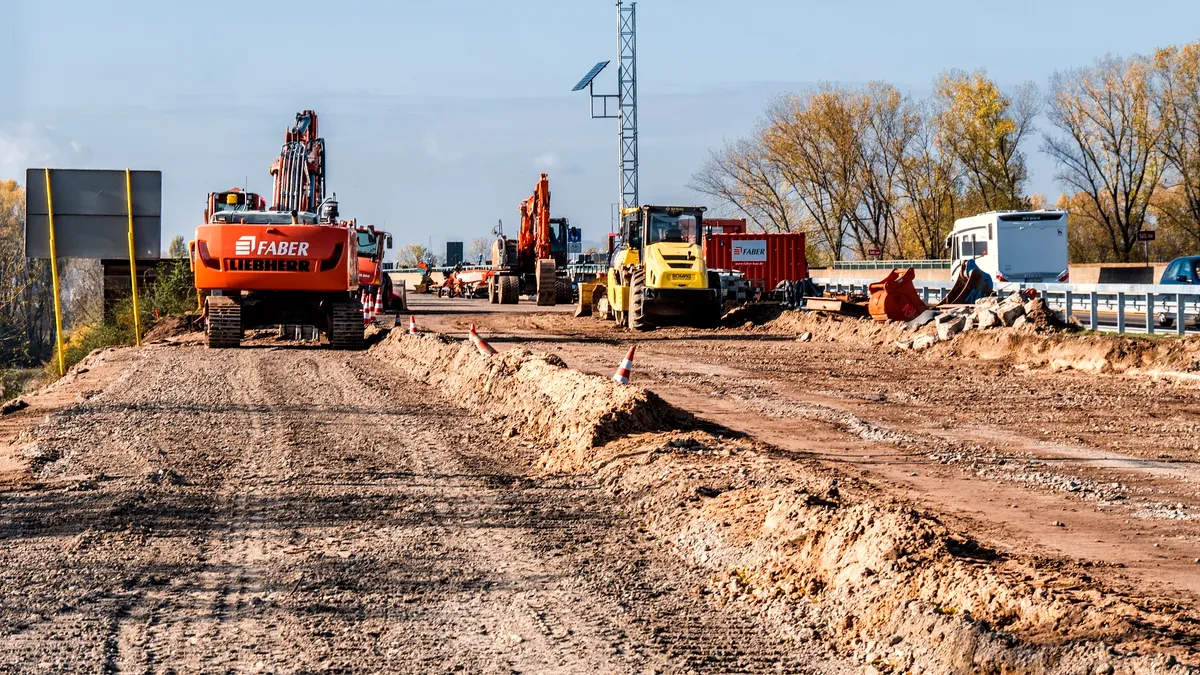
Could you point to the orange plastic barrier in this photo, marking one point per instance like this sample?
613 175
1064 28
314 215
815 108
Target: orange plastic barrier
895 298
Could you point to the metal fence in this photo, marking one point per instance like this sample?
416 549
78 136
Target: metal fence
1124 308
891 264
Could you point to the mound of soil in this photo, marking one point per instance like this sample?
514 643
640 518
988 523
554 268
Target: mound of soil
755 314
171 326
565 411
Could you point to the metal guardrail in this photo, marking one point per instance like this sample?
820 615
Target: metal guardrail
891 264
391 268
1150 302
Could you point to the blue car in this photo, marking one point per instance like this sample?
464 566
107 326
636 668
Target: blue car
1180 272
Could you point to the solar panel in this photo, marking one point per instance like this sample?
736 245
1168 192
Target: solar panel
587 79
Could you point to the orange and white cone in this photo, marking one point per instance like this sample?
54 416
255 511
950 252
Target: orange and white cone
484 347
625 369
412 325
379 303
366 310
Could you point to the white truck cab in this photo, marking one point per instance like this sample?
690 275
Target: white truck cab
1018 246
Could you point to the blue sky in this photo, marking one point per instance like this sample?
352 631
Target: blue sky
439 115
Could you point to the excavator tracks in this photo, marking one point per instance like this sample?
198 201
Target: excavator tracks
346 326
224 325
547 287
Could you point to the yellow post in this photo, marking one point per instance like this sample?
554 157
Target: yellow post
62 368
137 315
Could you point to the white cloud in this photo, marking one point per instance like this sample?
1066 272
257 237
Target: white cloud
547 161
434 149
29 145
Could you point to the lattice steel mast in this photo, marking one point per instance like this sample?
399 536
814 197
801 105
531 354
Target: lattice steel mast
625 99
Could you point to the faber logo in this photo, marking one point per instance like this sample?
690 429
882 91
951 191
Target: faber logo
244 245
750 251
249 245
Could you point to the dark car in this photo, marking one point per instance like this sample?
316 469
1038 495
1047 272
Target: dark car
1180 272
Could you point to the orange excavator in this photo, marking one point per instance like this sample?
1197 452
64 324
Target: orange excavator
371 277
294 262
535 263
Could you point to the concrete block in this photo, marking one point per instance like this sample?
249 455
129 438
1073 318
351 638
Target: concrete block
948 329
986 319
1009 311
923 342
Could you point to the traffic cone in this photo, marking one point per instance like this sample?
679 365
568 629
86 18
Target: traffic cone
379 303
366 312
412 325
625 369
484 347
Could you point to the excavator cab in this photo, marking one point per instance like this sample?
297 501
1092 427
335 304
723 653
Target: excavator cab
558 240
657 273
371 277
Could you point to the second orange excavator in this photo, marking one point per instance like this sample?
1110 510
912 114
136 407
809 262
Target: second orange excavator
535 263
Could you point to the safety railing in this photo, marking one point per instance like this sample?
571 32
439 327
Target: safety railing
891 264
1124 308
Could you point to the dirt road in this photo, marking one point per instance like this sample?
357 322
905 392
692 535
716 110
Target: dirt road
1099 469
176 509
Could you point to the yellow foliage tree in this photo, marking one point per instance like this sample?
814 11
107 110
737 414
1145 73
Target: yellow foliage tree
982 130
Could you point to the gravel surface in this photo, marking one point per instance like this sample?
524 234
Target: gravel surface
278 509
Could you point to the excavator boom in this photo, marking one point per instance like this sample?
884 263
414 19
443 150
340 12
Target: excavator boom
299 172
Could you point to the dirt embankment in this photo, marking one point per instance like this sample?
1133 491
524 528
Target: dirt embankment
1026 347
827 556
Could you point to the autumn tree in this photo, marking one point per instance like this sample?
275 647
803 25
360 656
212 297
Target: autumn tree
887 126
812 138
1107 145
1177 102
413 254
480 247
927 181
26 302
982 130
177 248
742 175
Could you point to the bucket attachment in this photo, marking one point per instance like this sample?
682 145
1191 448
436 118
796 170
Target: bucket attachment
895 298
972 284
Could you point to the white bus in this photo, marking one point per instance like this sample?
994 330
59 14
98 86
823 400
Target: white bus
1028 246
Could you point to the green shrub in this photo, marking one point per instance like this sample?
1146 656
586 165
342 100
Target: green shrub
172 293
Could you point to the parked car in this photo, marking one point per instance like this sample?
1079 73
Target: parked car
1182 272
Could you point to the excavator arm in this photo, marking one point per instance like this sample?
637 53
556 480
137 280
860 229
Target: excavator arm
299 172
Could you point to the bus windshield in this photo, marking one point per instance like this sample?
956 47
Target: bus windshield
368 244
